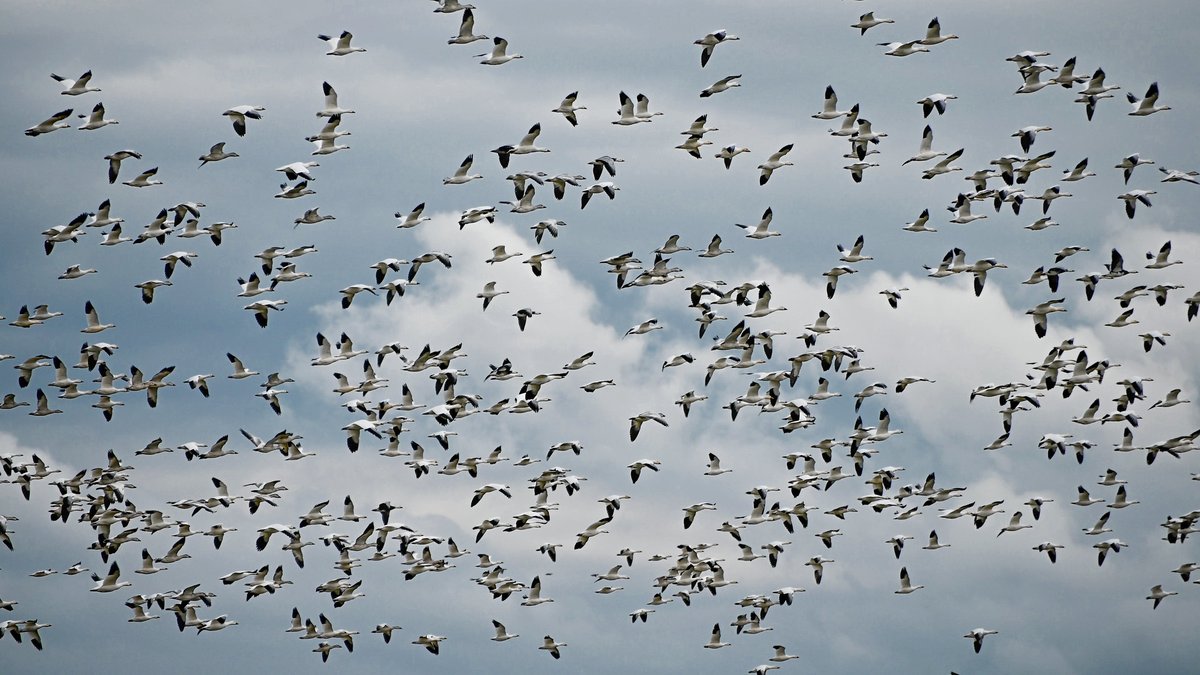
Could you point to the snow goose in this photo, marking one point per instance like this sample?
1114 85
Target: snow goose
144 179
239 114
856 170
1157 594
919 225
605 187
1161 260
868 21
43 408
75 272
297 170
962 211
627 115
332 109
325 146
721 85
925 152
1132 197
449 7
1170 176
567 108
340 46
75 87
525 203
216 153
147 287
893 296
1040 312
758 231
102 217
775 161
935 102
1028 134
1148 105
550 645
904 48
829 109
933 34
692 146
709 42
524 147
329 131
1131 162
943 166
1105 546
466 30
977 635
53 123
96 120
110 582
728 152
411 219
906 586
604 164
831 278
499 55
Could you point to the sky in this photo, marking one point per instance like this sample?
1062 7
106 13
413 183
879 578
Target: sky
167 72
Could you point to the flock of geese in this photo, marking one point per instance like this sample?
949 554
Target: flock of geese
393 392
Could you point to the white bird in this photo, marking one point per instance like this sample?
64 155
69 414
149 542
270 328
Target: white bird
721 85
1157 594
567 108
448 7
462 174
331 109
919 225
110 582
710 41
96 120
943 166
627 115
926 151
340 46
933 33
977 635
501 633
549 644
1132 197
643 109
775 161
1148 105
524 147
829 109
605 188
499 55
868 21
728 152
760 230
239 114
466 30
1170 176
75 87
53 123
714 641
903 48
144 179
216 153
962 211
935 102
906 586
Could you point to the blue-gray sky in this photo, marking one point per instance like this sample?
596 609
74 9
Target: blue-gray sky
167 72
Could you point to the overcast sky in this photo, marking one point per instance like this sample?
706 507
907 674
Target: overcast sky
167 72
